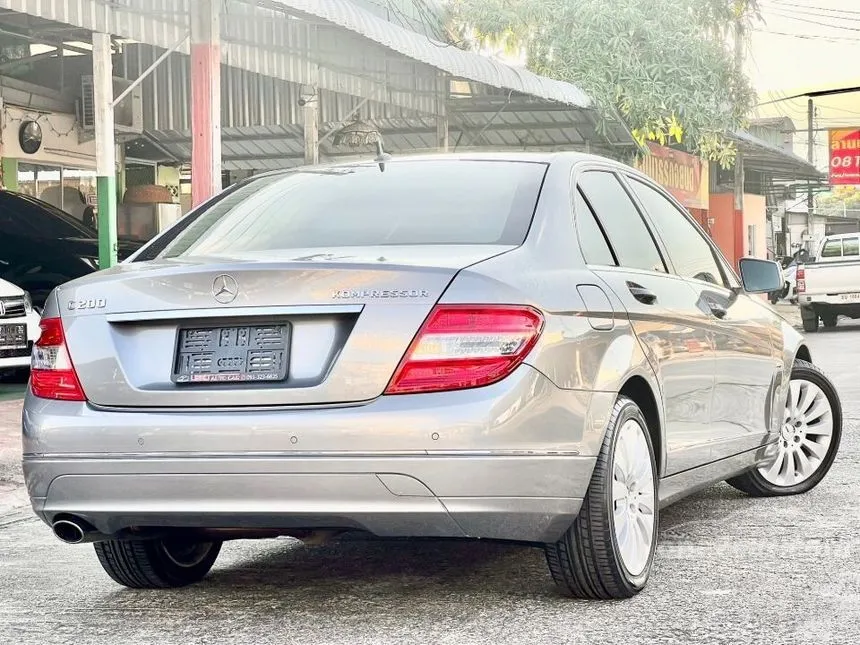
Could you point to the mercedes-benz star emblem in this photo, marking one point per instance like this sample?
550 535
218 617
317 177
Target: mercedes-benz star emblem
225 289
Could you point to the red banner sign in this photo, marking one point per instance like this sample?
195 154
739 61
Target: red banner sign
844 157
683 175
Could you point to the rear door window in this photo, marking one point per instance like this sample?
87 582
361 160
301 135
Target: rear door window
850 246
410 203
689 252
628 235
832 249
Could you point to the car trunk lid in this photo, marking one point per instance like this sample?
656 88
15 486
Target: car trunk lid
313 328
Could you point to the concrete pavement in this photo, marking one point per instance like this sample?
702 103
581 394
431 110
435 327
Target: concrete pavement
729 569
12 493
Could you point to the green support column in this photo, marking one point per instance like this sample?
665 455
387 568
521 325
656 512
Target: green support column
106 190
10 173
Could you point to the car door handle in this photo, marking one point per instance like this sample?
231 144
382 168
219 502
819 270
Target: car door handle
643 295
717 309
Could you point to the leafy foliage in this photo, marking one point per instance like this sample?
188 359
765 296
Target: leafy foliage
842 198
664 66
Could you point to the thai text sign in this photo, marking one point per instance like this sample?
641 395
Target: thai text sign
844 157
683 175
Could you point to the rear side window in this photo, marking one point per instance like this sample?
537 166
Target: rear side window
630 238
411 203
850 246
832 249
591 238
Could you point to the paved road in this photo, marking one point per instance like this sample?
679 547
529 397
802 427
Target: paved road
729 570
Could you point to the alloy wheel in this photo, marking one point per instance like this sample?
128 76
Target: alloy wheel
184 553
805 436
633 497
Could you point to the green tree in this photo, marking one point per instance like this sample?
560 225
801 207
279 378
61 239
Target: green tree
664 66
842 199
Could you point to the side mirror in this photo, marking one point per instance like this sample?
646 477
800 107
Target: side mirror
760 276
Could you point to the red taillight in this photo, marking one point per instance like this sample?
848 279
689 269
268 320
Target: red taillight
466 346
52 375
800 278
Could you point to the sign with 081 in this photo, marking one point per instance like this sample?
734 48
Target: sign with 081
844 157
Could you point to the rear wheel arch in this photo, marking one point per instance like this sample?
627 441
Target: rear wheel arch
640 392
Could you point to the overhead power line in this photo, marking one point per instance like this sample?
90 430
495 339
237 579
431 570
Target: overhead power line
815 22
852 17
835 39
814 94
833 10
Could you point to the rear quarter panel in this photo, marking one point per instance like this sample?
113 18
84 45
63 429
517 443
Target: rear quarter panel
546 273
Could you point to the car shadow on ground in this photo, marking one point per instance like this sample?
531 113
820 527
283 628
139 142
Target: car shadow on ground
374 567
13 384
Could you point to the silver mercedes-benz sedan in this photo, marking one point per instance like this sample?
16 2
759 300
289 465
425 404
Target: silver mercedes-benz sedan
543 349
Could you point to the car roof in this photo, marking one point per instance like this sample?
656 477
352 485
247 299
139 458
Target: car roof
567 157
839 236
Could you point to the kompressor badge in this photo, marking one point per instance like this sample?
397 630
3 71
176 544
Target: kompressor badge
353 294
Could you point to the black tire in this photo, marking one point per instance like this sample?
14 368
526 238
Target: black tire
753 483
586 561
830 320
156 564
809 319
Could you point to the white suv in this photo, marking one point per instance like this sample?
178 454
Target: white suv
19 326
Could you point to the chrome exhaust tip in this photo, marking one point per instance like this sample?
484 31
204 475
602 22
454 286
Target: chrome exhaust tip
68 531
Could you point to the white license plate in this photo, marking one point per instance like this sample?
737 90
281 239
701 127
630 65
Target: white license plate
850 296
13 336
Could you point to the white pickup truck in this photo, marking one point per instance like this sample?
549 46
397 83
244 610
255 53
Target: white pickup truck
829 285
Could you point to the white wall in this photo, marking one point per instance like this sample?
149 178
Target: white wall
755 215
60 146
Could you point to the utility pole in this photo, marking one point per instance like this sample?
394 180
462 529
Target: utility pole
105 148
739 160
443 85
310 118
205 99
810 157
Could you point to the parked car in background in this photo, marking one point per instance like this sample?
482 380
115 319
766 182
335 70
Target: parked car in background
19 327
42 246
828 286
544 349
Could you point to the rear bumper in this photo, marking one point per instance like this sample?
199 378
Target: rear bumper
836 303
15 361
511 461
509 498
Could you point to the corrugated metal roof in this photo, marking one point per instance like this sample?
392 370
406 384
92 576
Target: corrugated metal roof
278 48
450 59
769 159
281 146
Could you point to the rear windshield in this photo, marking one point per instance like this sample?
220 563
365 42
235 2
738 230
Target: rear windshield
26 216
411 202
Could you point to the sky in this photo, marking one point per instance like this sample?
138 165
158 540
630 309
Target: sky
805 45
